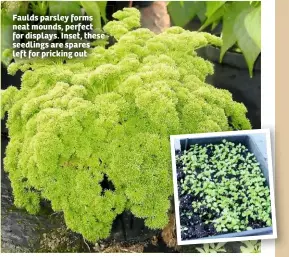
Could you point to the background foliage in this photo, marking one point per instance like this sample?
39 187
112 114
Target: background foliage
240 23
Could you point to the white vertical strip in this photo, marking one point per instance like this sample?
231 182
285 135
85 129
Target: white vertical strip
268 89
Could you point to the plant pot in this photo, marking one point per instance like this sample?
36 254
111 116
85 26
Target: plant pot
195 24
135 229
258 144
232 74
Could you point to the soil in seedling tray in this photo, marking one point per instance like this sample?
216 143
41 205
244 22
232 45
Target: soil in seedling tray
221 190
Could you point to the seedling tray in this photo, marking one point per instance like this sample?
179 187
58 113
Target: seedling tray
256 144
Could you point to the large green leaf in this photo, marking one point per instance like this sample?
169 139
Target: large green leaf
102 8
64 8
253 25
247 45
201 9
217 15
215 24
228 35
92 9
213 6
182 13
255 3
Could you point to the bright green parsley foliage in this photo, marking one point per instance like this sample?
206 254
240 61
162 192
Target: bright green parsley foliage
111 113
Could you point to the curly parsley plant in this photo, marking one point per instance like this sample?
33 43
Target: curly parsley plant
110 115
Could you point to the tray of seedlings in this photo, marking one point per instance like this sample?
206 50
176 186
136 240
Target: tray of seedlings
223 187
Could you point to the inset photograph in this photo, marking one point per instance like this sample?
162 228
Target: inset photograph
223 186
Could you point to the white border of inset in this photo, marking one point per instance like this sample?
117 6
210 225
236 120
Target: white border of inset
271 185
